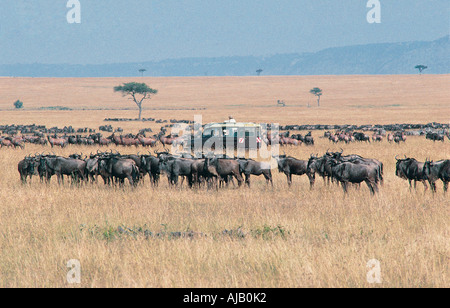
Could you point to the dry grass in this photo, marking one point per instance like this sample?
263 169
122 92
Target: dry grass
281 237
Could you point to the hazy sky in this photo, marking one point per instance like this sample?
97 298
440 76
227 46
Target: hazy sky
37 31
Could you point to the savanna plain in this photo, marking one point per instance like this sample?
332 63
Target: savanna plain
257 237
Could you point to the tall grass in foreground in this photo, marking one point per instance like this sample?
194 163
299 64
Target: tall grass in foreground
258 237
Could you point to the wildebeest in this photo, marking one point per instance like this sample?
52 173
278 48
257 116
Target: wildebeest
333 138
293 166
357 159
176 167
250 167
285 140
434 136
390 138
27 168
6 142
348 172
399 137
361 137
151 165
92 171
169 139
44 172
147 142
115 139
439 170
323 165
103 141
308 139
61 166
377 138
57 141
115 167
318 165
412 170
129 141
225 168
10 142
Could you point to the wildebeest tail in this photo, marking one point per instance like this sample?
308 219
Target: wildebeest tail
135 173
380 171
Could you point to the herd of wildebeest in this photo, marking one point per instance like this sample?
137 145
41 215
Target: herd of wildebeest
141 139
210 170
214 171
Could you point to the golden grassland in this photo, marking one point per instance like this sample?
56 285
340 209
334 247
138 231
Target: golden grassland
346 99
276 237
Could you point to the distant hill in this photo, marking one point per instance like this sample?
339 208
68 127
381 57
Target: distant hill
389 58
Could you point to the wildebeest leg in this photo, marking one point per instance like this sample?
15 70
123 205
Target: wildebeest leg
191 181
230 178
238 178
445 186
247 179
60 178
150 177
156 179
371 187
344 187
289 179
213 181
375 187
312 179
226 180
130 179
432 185
425 185
23 178
268 178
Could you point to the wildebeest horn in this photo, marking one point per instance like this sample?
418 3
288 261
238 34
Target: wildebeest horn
396 157
342 151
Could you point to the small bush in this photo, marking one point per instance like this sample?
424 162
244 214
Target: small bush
18 104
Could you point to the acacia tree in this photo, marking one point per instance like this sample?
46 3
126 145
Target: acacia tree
142 71
317 92
421 68
138 92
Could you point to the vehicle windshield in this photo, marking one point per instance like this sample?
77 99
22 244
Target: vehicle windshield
232 131
213 132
